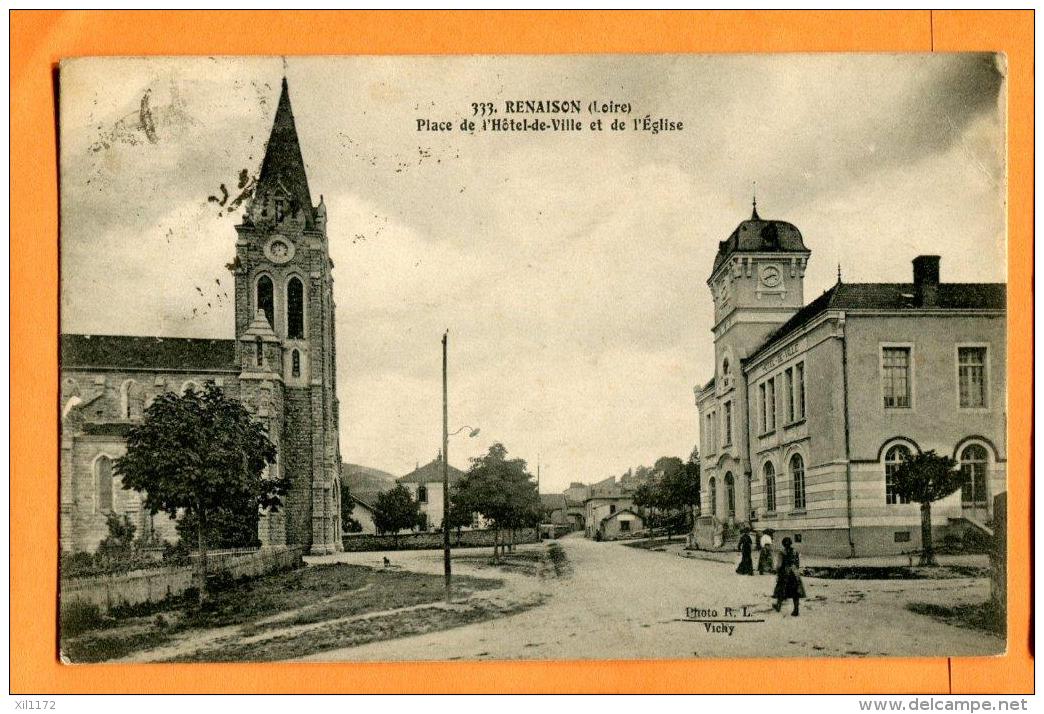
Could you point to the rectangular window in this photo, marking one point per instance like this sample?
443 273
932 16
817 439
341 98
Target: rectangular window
895 368
727 426
971 377
902 536
625 526
761 407
799 386
711 444
788 382
770 404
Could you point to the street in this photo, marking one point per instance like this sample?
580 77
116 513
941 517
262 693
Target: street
629 603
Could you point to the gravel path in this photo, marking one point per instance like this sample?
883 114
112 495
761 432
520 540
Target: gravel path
629 603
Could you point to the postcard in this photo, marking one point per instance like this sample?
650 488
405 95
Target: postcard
491 357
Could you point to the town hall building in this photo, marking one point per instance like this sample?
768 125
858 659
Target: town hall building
812 407
281 365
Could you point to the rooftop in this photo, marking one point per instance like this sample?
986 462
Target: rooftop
431 473
148 353
757 235
891 297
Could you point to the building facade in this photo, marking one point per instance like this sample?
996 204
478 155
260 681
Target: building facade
425 485
281 365
812 407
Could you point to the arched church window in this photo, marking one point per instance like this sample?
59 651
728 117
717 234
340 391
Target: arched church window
103 484
132 400
295 309
295 364
266 299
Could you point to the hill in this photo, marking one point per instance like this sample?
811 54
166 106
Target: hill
366 479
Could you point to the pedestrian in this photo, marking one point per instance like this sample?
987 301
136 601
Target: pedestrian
746 565
788 578
765 564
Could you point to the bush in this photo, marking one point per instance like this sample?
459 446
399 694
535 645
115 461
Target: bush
79 616
176 554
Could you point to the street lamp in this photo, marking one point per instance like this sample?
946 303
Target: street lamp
445 473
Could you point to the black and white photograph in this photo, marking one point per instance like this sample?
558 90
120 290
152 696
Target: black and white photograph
490 357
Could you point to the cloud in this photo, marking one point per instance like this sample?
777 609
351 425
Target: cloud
569 269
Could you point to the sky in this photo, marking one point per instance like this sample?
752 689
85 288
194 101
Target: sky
570 269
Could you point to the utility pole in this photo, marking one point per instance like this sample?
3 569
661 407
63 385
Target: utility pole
445 476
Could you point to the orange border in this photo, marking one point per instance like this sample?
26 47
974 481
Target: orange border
39 39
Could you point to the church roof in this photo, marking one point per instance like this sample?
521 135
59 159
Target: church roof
283 169
757 235
431 473
889 297
155 353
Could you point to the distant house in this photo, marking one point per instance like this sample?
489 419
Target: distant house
425 484
363 510
555 509
620 524
603 503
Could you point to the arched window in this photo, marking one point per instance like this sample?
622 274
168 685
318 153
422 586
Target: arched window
103 484
132 400
295 309
974 468
259 351
189 385
713 497
797 474
266 299
422 494
295 364
770 487
893 459
730 495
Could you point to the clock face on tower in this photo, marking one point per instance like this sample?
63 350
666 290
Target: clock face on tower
279 250
771 276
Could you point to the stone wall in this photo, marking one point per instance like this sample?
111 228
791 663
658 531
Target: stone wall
425 541
155 585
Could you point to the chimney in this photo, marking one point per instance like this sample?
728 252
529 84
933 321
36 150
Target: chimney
926 279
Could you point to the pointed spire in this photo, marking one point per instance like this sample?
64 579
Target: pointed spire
754 216
839 271
283 171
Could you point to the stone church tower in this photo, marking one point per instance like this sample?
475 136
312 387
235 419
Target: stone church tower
285 342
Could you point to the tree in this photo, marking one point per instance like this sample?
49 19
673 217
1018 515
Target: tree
458 514
116 548
501 490
200 453
232 526
396 510
925 478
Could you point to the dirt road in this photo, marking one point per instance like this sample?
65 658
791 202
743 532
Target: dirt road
628 603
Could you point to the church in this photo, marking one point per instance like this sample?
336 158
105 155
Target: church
281 365
812 406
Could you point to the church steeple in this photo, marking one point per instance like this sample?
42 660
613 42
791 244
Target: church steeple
283 178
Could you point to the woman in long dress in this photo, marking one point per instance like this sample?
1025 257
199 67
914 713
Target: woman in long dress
746 565
765 564
788 578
